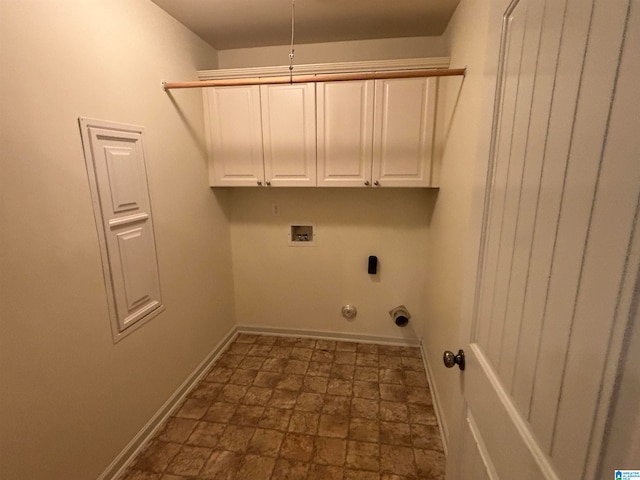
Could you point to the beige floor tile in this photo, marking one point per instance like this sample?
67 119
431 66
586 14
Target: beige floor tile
283 399
335 426
289 470
257 396
243 377
363 456
140 475
309 402
290 382
397 460
430 464
222 465
370 390
360 475
301 353
304 422
156 456
319 369
341 371
294 408
275 419
231 393
325 472
206 434
236 438
364 430
220 412
426 436
346 358
394 433
266 442
297 447
336 405
366 374
194 408
206 391
394 411
364 408
315 384
177 429
337 386
330 451
189 461
255 467
248 415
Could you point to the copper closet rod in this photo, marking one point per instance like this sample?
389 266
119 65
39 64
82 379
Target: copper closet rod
326 77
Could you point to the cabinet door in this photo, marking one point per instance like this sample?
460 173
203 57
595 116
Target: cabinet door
345 133
234 135
403 132
289 134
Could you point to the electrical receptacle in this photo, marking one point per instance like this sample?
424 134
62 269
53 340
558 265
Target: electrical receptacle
275 210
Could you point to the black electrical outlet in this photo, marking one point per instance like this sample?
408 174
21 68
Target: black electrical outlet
373 265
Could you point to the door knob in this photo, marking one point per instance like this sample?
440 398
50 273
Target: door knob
450 359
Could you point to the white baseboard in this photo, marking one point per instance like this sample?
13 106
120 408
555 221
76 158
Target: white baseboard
324 335
126 456
437 405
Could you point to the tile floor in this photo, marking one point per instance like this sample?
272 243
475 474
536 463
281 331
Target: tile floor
286 408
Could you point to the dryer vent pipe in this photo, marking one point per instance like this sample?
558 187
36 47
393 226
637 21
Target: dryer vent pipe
400 315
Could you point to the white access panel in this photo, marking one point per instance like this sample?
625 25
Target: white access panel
403 132
114 154
234 136
289 134
345 133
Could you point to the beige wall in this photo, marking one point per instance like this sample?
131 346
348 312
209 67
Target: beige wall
350 51
465 110
71 399
304 288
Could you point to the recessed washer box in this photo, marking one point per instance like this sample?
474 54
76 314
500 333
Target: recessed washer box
302 235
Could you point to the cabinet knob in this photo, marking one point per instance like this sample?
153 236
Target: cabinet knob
259 182
268 184
366 183
376 183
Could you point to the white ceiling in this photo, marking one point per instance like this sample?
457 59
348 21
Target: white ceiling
227 24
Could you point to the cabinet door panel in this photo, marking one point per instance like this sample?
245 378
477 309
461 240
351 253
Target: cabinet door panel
345 133
403 132
234 136
289 134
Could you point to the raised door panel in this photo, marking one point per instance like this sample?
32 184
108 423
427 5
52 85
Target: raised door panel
559 248
345 133
117 175
403 132
289 134
234 136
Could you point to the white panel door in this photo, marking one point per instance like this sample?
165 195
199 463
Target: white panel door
559 250
403 132
289 134
117 175
234 136
345 133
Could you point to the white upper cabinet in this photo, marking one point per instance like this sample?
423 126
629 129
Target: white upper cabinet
234 136
345 133
289 134
331 134
403 132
